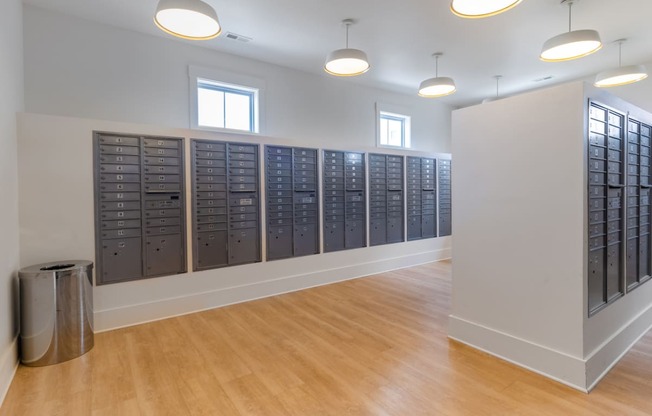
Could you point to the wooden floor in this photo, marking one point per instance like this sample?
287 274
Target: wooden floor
371 346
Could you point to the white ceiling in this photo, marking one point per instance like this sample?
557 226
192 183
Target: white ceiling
399 37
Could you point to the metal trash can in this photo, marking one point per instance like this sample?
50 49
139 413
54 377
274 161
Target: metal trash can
56 311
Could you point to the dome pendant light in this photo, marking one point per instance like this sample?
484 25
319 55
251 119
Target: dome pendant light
476 9
346 62
490 99
572 44
438 86
623 75
187 19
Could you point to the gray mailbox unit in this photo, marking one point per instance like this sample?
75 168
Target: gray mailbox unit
444 177
344 200
292 202
421 199
639 261
386 215
607 146
140 215
226 202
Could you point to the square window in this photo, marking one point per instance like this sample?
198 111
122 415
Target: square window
393 130
226 106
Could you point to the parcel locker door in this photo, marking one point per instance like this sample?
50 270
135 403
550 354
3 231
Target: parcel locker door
644 257
243 246
395 230
279 242
305 240
354 234
428 226
121 260
333 236
596 279
377 231
164 255
414 227
445 224
613 271
211 249
632 262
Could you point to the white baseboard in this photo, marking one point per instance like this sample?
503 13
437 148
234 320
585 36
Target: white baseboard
166 308
607 355
8 367
550 363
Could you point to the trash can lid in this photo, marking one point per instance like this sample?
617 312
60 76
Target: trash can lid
55 266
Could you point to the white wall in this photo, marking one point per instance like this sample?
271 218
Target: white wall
519 229
56 205
11 102
520 285
79 68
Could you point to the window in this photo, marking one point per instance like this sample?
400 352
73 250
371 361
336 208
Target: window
220 100
393 129
226 106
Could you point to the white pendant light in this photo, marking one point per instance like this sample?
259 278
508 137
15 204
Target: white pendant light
437 86
187 19
622 75
475 9
572 44
347 62
490 99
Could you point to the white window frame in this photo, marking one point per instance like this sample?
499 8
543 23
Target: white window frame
398 112
229 80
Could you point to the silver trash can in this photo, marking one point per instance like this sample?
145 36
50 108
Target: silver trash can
56 311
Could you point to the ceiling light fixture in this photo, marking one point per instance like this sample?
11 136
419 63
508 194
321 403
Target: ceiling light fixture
187 19
346 62
490 99
623 75
438 86
572 44
475 9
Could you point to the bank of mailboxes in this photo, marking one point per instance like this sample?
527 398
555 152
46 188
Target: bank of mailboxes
226 199
618 204
292 202
421 198
444 178
386 224
140 202
344 193
140 209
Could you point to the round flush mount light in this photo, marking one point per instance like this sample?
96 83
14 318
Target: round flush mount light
477 9
437 86
572 44
346 62
187 19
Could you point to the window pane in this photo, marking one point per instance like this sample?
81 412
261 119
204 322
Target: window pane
383 131
238 111
395 132
210 105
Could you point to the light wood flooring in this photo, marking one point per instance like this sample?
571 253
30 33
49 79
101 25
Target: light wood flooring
371 346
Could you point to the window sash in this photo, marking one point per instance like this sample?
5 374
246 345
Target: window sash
385 126
226 90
